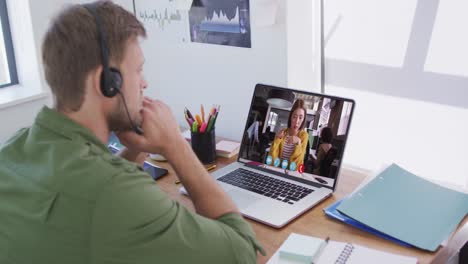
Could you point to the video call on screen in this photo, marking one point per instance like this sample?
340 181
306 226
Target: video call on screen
325 128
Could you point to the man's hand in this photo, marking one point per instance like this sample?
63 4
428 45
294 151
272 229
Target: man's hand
160 129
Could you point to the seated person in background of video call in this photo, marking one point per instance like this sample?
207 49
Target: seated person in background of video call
326 136
290 143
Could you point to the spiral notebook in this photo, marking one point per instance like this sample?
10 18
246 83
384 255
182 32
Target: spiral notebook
334 252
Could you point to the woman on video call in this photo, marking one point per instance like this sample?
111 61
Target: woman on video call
290 143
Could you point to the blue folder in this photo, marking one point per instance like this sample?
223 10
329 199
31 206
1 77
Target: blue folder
407 207
334 214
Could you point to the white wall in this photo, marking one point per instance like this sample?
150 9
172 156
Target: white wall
187 75
404 62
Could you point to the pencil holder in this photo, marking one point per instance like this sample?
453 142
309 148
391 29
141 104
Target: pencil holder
204 146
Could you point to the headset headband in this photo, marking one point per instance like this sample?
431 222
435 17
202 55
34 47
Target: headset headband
102 44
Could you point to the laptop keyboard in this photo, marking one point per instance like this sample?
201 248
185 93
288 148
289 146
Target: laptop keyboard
267 186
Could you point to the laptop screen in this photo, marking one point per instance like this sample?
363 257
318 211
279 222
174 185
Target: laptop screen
296 133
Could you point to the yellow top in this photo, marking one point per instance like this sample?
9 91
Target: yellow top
299 150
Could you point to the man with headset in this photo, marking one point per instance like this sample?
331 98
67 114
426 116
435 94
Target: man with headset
64 198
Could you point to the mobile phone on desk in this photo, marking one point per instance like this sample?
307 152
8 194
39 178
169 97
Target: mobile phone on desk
153 170
320 180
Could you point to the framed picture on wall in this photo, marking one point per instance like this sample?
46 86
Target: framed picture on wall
220 22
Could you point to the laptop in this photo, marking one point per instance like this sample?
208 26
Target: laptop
275 192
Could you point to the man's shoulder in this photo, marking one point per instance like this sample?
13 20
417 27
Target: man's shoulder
64 165
96 168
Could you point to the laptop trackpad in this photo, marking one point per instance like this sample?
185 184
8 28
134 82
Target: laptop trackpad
242 199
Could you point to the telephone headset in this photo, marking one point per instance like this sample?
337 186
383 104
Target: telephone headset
111 78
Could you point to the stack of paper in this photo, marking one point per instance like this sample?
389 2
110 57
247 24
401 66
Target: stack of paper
300 248
227 149
407 207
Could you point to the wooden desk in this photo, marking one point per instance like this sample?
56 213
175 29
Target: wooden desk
314 222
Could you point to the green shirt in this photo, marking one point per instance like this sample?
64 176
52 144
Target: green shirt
64 198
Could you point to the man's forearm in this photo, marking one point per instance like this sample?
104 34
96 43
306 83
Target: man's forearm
209 198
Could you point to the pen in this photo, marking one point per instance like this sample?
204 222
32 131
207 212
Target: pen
320 250
188 113
187 119
195 127
202 113
210 124
211 167
203 127
212 111
198 119
190 122
208 120
215 117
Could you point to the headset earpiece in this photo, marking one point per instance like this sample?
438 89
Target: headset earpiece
114 82
116 78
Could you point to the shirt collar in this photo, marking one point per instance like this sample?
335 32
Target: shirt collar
66 127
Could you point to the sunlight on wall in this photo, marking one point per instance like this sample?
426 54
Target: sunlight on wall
375 33
448 52
426 138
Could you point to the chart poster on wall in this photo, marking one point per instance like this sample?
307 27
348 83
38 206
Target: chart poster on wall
166 20
221 22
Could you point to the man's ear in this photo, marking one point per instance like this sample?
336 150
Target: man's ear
95 80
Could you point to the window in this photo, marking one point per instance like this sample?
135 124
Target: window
272 119
325 113
344 120
8 75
